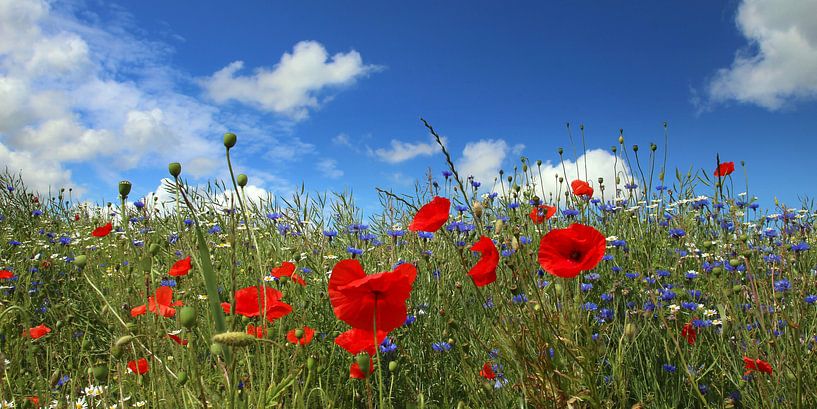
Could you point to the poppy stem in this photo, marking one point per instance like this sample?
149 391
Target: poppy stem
377 356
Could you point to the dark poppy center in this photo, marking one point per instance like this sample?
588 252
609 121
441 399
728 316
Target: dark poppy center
575 256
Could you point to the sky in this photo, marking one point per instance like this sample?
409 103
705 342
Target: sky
330 94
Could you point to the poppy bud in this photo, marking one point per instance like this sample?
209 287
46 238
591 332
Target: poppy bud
525 168
181 378
630 330
601 181
510 179
123 340
614 149
538 162
363 362
477 209
621 137
241 180
653 147
501 172
154 249
175 169
734 262
498 224
229 140
124 189
187 317
310 363
100 373
635 148
392 366
561 180
618 180
116 351
661 176
80 260
236 339
560 151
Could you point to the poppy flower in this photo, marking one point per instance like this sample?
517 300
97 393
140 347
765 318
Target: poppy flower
139 367
581 188
179 340
304 339
541 213
102 231
35 400
484 272
287 269
162 304
258 332
358 299
567 252
180 268
431 216
725 168
689 332
259 301
5 275
357 340
356 373
487 372
37 332
756 365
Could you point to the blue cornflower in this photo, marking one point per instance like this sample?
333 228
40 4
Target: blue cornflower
691 275
604 315
689 305
461 208
592 276
663 273
330 233
696 294
667 295
489 303
782 285
441 346
354 251
393 233
811 299
669 368
168 282
524 240
589 306
618 243
632 275
570 212
65 240
188 222
447 174
660 188
387 346
513 205
14 243
608 257
37 212
800 247
493 195
173 238
630 186
677 233
138 204
63 380
520 298
214 230
507 252
615 269
410 320
607 297
274 216
283 229
367 237
425 235
585 287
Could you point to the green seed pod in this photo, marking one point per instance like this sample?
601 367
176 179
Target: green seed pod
154 249
310 362
241 179
100 373
131 326
229 140
216 349
635 148
123 340
182 378
621 139
734 262
560 151
392 366
363 362
175 169
80 260
236 339
717 270
630 331
187 317
124 189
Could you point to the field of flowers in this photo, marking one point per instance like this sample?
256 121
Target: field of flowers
667 292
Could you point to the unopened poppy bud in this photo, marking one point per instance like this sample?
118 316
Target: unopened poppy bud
614 149
618 180
299 333
498 224
80 260
635 148
154 249
525 168
116 352
653 147
100 373
229 140
362 361
515 244
510 179
561 180
181 378
734 262
236 339
187 317
477 209
175 169
630 330
124 189
601 181
392 366
538 162
310 362
123 340
560 151
241 180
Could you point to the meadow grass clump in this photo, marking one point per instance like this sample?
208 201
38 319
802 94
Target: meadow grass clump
637 292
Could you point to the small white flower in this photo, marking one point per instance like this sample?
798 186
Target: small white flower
709 313
202 297
6 404
94 391
140 403
81 403
674 308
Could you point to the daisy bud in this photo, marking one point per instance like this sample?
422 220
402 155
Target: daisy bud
124 189
175 169
229 140
80 260
241 180
236 339
187 317
392 366
363 362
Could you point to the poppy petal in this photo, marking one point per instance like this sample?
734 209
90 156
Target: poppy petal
431 216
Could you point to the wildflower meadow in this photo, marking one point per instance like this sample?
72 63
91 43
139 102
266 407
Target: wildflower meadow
669 289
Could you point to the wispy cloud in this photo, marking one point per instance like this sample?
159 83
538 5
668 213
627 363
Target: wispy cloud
400 151
329 168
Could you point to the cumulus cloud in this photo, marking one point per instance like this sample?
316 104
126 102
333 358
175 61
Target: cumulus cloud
329 168
483 159
294 85
598 162
780 64
400 151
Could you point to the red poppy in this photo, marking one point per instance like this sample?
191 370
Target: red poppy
305 338
258 332
102 231
162 304
567 252
725 168
756 365
37 332
581 188
484 272
139 367
259 301
76 217
541 213
179 340
358 299
287 269
5 275
357 340
487 372
432 215
356 373
35 400
180 268
689 332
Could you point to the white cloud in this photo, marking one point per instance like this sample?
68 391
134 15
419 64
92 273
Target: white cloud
342 139
482 159
402 151
781 65
294 85
598 162
329 168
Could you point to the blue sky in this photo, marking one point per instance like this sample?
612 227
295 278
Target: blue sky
330 94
